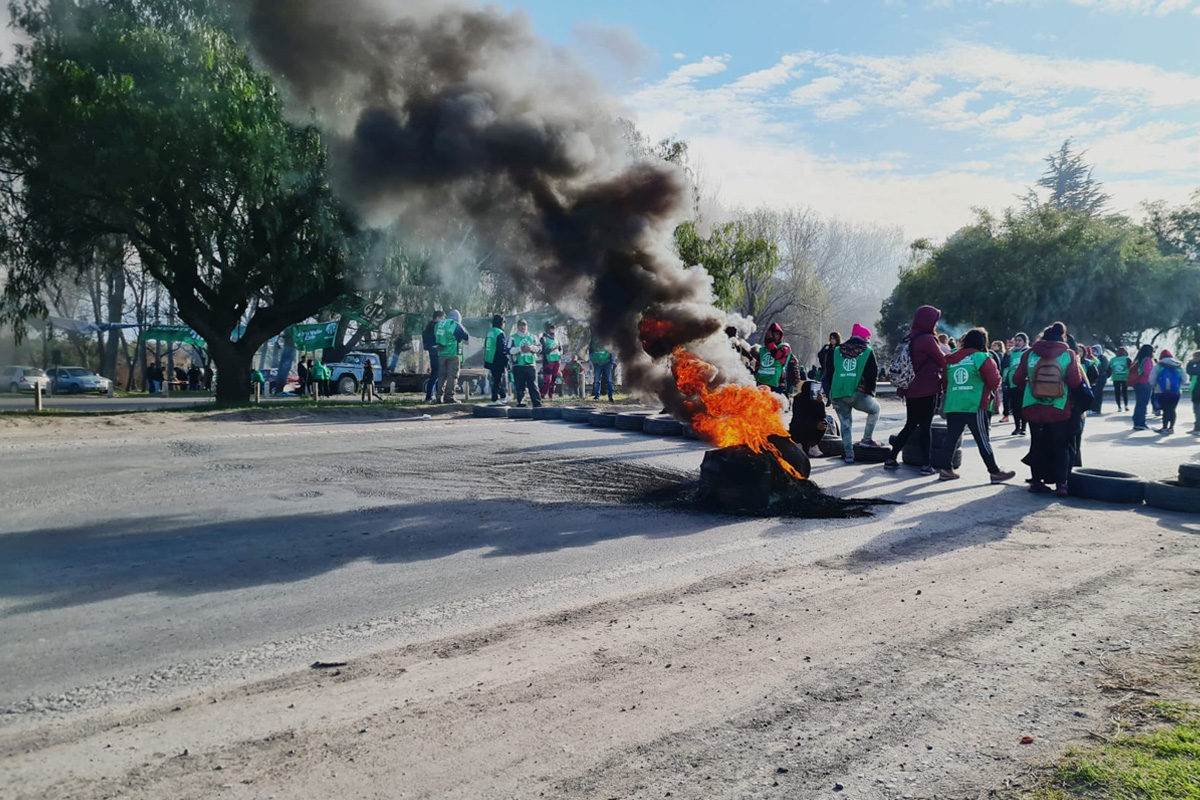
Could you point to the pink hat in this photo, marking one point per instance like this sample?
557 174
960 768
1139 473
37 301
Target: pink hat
861 331
1166 354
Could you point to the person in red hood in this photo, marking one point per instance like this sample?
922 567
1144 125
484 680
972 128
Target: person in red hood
777 368
972 380
921 396
1047 407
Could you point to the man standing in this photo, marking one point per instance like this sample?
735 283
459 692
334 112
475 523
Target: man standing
777 368
495 358
450 336
302 378
602 369
524 351
429 343
551 360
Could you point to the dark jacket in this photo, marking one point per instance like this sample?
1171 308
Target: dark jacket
853 348
1193 369
928 361
428 338
989 372
807 414
1044 415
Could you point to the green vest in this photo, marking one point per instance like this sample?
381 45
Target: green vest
601 357
551 345
521 340
964 385
448 344
770 370
1014 361
847 373
489 345
1064 363
1120 368
257 377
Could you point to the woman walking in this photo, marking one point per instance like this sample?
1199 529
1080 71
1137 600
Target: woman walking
1118 373
1046 376
1139 379
921 396
972 380
1167 380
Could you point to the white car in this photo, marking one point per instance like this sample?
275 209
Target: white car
77 380
23 379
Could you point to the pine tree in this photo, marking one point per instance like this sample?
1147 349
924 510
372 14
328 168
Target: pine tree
1069 182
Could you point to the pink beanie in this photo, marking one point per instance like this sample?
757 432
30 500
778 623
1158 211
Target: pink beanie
861 331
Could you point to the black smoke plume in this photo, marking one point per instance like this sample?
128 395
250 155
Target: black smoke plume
438 110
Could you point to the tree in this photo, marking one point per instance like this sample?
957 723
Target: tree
1104 277
1070 184
739 262
144 120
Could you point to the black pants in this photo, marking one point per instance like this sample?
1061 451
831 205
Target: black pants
919 421
955 423
1098 391
525 379
1121 390
1014 400
499 389
1169 403
1050 451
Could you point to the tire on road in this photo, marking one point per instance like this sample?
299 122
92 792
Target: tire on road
632 420
689 432
603 419
662 425
520 413
1189 475
577 414
1107 485
831 446
1173 496
871 455
491 412
548 412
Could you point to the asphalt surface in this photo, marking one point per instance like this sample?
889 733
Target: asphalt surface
149 556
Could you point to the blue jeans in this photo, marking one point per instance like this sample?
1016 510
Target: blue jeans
433 376
858 402
604 376
1141 394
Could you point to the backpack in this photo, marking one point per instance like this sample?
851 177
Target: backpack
1169 380
1047 381
901 372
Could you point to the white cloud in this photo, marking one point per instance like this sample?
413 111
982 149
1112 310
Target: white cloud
689 73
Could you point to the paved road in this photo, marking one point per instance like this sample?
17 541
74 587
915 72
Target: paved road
146 556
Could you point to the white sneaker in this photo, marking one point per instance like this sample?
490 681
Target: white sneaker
815 452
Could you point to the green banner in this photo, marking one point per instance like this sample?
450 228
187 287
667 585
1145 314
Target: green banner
173 333
314 337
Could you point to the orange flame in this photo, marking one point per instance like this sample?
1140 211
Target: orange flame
731 415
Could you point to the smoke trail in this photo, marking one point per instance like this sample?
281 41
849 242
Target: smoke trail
437 111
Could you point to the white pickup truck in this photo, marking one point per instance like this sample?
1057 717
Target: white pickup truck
348 374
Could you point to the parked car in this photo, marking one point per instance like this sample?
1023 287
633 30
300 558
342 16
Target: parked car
23 379
77 380
347 373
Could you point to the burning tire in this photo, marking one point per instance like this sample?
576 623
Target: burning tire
1189 475
689 432
520 413
793 454
1173 496
491 412
633 420
548 412
577 414
832 447
662 425
1107 485
602 419
871 455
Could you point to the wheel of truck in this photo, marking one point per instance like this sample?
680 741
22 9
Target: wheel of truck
662 425
347 384
633 420
1189 475
1107 485
1173 496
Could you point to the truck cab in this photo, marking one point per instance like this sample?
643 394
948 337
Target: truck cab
347 374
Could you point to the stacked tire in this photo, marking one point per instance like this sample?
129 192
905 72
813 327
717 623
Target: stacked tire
1182 494
914 455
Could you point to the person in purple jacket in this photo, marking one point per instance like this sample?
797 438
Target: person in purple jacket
921 396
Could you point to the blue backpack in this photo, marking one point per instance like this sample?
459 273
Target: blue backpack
1169 380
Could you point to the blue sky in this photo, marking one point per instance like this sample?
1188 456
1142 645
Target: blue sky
905 113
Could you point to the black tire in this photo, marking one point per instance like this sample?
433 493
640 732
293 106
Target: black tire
662 425
14 388
1189 475
548 412
871 455
633 420
347 384
1173 496
520 413
577 414
911 455
76 388
689 432
831 446
1107 485
491 412
794 455
603 419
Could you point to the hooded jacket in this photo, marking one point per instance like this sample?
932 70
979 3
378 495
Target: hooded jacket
853 348
1045 415
989 372
781 351
1166 362
807 413
929 363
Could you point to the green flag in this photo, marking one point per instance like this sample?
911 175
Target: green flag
173 333
320 336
